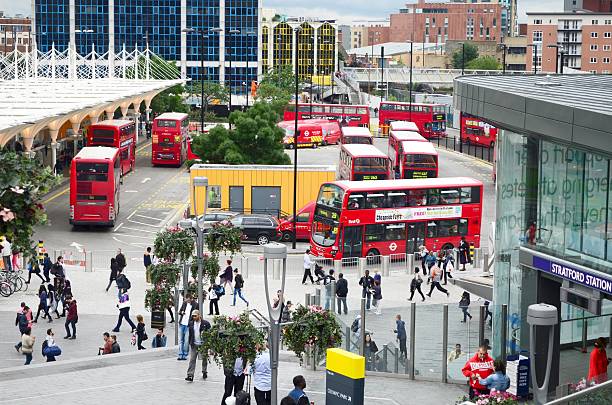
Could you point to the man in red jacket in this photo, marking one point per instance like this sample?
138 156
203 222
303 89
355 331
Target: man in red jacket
71 318
479 366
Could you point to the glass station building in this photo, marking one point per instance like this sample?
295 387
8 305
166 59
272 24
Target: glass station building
553 229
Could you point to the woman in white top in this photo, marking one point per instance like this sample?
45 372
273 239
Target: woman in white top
49 342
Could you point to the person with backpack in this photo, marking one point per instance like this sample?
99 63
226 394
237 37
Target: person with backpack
34 268
377 297
400 331
298 394
47 264
234 378
356 326
464 304
42 305
124 311
415 284
262 378
238 285
21 321
121 262
197 326
366 282
341 293
215 292
53 300
50 349
123 284
72 318
27 345
114 272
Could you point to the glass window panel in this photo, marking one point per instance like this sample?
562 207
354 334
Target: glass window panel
595 202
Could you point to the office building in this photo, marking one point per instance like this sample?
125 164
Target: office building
15 32
111 25
314 40
598 6
552 226
584 38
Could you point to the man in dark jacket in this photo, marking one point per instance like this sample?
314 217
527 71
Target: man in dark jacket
341 293
72 318
120 260
197 325
366 282
47 264
400 330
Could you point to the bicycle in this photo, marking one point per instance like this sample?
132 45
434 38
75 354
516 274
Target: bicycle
6 290
16 280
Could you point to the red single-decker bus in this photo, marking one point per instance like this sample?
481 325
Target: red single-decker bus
429 118
346 115
95 178
370 218
476 131
119 134
169 139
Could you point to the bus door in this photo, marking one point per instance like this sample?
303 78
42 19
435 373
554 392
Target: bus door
352 242
415 237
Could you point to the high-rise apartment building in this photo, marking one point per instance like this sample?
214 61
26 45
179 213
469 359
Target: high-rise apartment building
15 32
584 38
109 25
598 6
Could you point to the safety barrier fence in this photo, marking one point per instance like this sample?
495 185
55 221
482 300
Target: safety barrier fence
482 152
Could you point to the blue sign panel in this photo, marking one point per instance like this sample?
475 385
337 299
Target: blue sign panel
575 275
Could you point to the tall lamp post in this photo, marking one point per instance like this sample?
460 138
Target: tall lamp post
462 58
275 251
198 227
295 141
410 88
556 56
504 49
535 58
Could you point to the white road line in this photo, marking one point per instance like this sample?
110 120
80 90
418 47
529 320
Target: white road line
117 227
133 213
144 216
138 230
136 236
144 223
145 180
130 191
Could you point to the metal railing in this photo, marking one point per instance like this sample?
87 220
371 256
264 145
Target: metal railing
596 395
482 152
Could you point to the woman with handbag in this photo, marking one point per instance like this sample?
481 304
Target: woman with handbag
50 349
141 334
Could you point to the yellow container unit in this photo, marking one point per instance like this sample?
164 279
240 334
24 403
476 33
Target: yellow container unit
257 188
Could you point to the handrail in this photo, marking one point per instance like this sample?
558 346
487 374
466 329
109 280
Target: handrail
581 394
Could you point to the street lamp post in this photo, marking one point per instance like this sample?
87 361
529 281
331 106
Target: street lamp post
295 143
275 251
535 58
410 89
462 58
199 230
504 49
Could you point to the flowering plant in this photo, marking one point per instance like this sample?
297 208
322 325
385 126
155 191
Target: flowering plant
174 244
594 398
164 277
497 398
232 337
313 327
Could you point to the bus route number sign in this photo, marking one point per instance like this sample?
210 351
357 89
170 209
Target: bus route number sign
327 214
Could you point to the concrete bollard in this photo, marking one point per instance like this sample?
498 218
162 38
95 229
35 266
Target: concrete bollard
362 266
307 299
477 257
385 266
485 265
410 263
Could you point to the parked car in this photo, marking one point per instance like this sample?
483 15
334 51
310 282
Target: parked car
212 217
258 228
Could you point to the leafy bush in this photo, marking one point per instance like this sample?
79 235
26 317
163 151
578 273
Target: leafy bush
313 327
174 244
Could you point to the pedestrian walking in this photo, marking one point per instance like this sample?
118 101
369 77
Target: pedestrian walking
464 304
400 335
7 252
27 345
21 321
43 304
123 283
215 292
436 274
488 314
366 282
147 261
114 272
107 347
50 349
121 262
187 308
124 312
423 254
53 300
319 273
159 340
480 366
197 326
47 264
369 352
238 286
415 284
66 293
71 318
464 253
34 268
141 333
262 378
307 266
227 277
448 266
377 277
430 261
498 381
341 293
298 394
234 378
377 296
599 362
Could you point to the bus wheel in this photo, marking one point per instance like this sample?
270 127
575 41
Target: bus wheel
447 246
287 236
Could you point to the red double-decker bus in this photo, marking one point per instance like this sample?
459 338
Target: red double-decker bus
370 218
414 160
119 134
95 178
397 137
362 162
169 139
429 118
346 115
476 131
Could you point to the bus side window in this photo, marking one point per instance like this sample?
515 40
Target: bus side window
431 229
417 198
374 233
466 195
463 227
433 197
376 200
355 201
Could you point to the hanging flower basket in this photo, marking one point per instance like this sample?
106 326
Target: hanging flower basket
174 244
313 328
164 277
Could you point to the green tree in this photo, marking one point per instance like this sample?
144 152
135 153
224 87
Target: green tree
170 100
277 87
23 182
212 91
484 63
471 53
254 139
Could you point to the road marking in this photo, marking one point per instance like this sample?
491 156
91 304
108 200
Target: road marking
136 236
48 200
145 180
138 230
144 216
117 227
144 224
146 145
130 191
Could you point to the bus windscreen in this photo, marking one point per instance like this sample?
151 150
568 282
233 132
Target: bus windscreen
103 136
92 171
370 165
421 161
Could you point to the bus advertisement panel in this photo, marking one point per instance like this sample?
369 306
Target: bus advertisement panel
416 160
370 218
119 134
346 115
476 131
362 162
95 177
169 139
429 118
356 135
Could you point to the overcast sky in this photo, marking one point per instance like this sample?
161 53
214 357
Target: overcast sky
344 11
